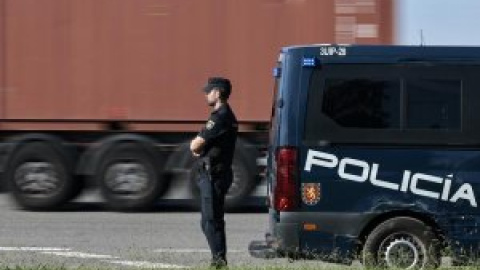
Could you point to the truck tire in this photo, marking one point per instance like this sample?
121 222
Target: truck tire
243 183
402 243
39 177
130 178
244 180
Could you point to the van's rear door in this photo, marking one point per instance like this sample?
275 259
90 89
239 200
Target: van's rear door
274 123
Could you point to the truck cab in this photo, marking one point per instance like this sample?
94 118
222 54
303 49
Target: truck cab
374 155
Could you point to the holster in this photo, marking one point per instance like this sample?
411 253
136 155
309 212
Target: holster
205 164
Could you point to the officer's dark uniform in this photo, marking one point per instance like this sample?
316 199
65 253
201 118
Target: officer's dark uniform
219 133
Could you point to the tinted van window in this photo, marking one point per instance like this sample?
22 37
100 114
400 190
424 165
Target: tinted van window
346 99
363 102
386 104
433 104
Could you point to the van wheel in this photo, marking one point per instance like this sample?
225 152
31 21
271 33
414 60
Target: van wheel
128 178
39 178
401 243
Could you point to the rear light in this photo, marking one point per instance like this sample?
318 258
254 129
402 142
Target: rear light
285 194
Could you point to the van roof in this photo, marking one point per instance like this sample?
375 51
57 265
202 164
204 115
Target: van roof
390 53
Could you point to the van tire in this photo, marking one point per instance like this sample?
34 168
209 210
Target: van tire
405 235
40 161
129 178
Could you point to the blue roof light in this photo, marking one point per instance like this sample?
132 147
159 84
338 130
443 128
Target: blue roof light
309 62
277 72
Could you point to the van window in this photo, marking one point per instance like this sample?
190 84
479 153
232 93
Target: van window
385 104
363 102
433 104
346 99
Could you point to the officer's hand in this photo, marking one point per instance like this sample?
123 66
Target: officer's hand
196 146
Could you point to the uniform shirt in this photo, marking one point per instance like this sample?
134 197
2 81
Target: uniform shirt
220 135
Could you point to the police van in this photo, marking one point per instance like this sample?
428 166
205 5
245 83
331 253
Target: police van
374 155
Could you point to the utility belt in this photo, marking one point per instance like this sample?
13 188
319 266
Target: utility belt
206 166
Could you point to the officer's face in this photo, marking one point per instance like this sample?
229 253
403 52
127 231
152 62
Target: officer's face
212 97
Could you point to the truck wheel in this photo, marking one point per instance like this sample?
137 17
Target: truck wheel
39 178
401 243
243 182
128 178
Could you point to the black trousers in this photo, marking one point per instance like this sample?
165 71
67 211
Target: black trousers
213 189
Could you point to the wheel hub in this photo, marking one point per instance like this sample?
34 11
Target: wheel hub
39 178
127 178
402 253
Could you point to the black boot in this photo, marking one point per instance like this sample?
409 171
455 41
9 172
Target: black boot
219 263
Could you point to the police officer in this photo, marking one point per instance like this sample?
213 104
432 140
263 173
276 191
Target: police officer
215 145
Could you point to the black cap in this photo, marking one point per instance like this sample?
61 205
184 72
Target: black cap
218 82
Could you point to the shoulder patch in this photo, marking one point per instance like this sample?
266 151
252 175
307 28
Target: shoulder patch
210 124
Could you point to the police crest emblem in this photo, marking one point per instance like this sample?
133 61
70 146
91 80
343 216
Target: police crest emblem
210 124
310 193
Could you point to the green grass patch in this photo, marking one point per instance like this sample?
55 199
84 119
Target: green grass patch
293 267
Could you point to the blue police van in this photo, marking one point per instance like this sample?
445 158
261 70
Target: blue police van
374 155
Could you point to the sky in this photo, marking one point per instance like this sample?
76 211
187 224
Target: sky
442 22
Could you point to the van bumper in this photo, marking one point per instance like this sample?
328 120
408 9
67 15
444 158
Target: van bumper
281 239
284 242
337 234
263 249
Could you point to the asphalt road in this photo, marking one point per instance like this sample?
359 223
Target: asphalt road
86 235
